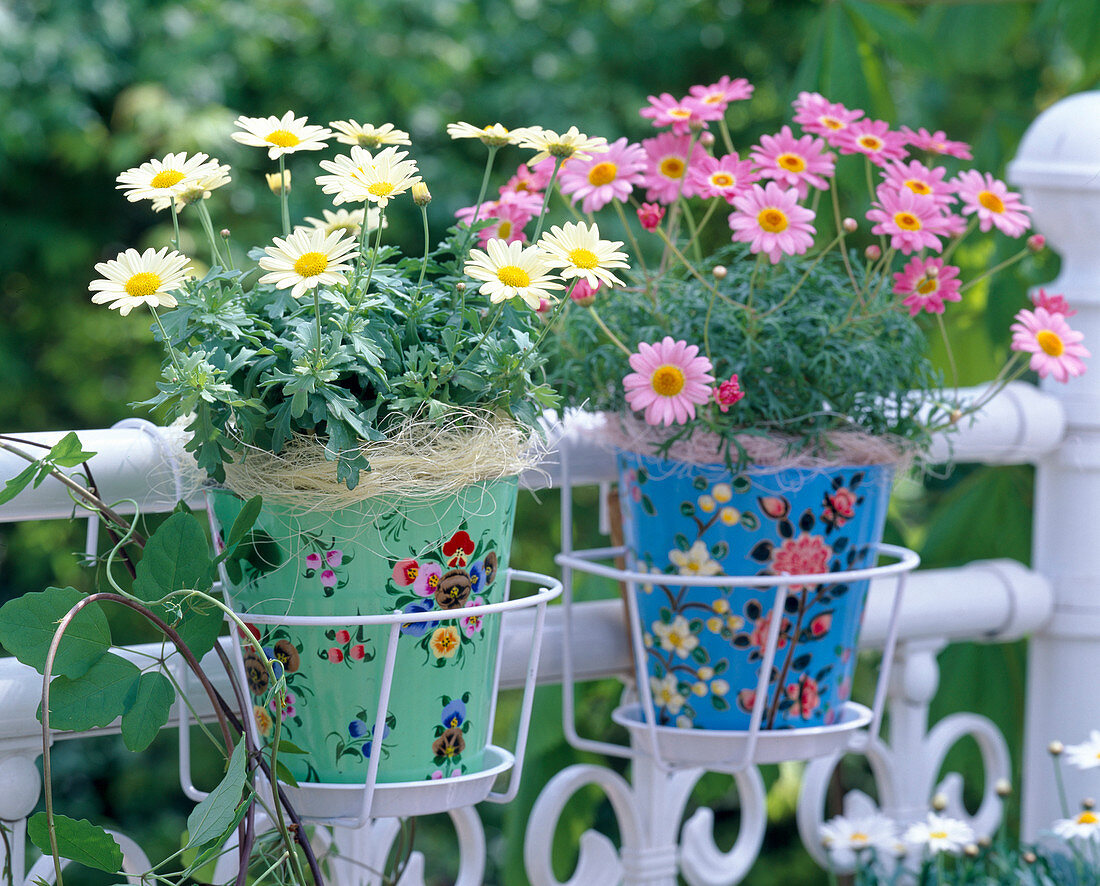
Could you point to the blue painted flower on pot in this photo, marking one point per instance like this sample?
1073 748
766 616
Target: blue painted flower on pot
450 737
704 645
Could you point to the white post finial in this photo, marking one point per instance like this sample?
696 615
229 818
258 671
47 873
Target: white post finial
1058 170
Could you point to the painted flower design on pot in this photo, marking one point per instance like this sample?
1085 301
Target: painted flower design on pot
349 648
676 636
666 693
357 745
326 562
696 560
839 504
285 656
450 736
454 589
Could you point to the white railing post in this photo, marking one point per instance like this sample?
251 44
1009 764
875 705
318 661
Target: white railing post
1058 170
20 788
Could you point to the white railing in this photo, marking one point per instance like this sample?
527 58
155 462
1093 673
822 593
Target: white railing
991 601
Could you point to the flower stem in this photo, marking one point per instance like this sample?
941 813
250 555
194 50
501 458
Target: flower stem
480 199
208 226
317 317
374 255
546 197
993 270
630 235
167 343
427 246
484 335
284 199
950 353
175 224
611 335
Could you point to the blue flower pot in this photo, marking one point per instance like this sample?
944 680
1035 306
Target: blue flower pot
704 645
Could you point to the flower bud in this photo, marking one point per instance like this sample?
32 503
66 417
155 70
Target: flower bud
706 139
544 306
1088 803
939 802
224 233
971 850
873 252
278 184
650 215
460 286
850 225
1036 242
1055 748
1029 857
719 272
1003 787
584 294
420 194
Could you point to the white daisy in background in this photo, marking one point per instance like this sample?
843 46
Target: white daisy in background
209 177
387 176
508 270
343 179
1085 755
348 223
1083 826
165 178
281 135
845 838
135 279
940 834
579 252
368 136
307 259
494 135
547 143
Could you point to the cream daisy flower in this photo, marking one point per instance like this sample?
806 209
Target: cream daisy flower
343 180
281 135
165 178
579 252
347 223
307 259
209 177
368 136
508 270
494 135
547 143
132 280
387 176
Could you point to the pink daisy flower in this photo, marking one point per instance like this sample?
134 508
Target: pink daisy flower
719 95
530 180
912 221
1055 348
725 177
669 380
993 202
1053 304
604 177
511 217
926 285
921 180
794 162
872 138
680 114
936 143
816 114
667 165
770 220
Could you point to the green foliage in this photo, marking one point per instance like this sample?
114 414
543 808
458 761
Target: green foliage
105 692
149 711
66 453
219 812
28 625
79 841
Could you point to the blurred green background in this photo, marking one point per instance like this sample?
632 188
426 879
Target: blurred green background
92 87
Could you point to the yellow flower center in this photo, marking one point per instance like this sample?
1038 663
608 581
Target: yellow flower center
310 264
602 173
1050 342
143 284
791 162
1087 817
859 837
991 202
380 189
917 186
668 380
722 180
938 835
871 142
672 167
907 221
926 285
283 139
166 178
675 638
584 258
832 123
504 229
514 276
679 113
713 98
772 220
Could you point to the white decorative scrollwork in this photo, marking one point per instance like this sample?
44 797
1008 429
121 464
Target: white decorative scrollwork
134 863
649 813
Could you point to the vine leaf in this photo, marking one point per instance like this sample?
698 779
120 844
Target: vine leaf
28 623
79 841
149 712
175 558
105 692
217 815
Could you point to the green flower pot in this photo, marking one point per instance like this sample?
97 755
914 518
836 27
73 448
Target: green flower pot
374 558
